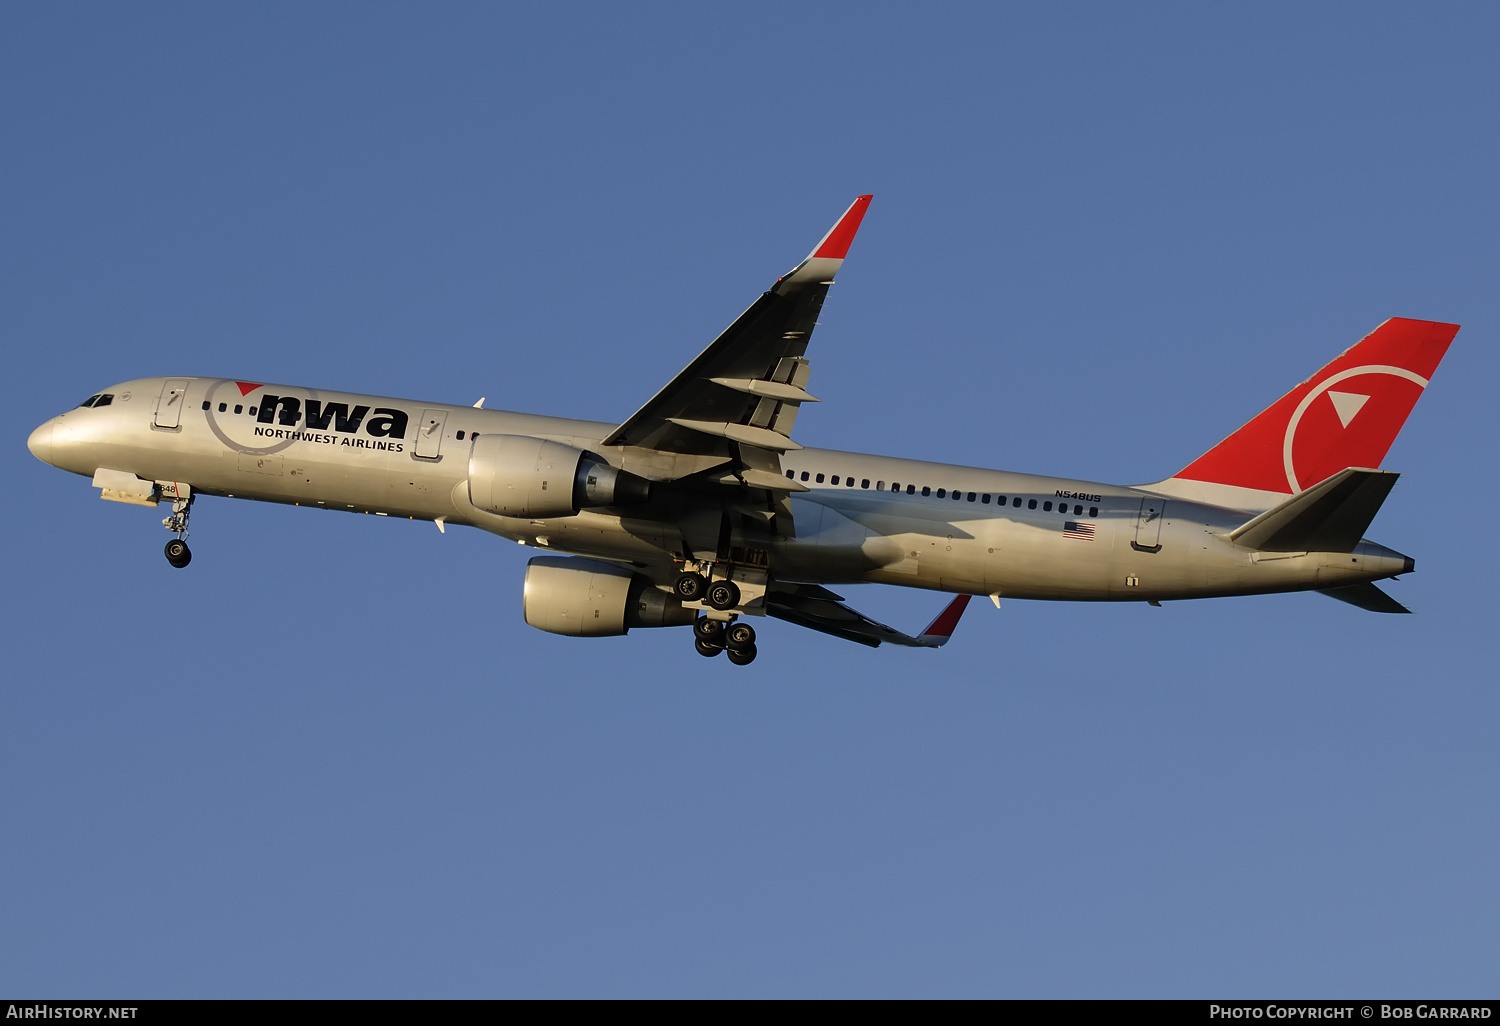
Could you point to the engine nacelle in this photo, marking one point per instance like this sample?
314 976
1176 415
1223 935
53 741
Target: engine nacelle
522 476
585 599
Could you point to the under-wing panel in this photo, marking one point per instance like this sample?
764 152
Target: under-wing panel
815 607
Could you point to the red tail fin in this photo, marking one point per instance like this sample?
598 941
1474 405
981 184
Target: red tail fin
1346 415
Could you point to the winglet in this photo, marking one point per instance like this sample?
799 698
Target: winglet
828 255
940 630
835 245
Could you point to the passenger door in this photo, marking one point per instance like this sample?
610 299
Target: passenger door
430 434
169 404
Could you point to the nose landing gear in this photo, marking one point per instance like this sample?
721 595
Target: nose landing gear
177 551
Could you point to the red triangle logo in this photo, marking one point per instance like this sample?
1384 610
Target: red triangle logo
246 387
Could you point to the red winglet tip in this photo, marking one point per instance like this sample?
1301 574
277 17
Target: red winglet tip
835 245
947 620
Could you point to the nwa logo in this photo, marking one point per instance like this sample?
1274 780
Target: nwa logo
386 424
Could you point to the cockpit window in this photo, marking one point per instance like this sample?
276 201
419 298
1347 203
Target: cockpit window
102 399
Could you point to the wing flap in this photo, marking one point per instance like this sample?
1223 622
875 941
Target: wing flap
765 438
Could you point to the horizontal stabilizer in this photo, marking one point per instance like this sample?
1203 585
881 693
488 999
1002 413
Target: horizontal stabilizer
1366 596
1331 516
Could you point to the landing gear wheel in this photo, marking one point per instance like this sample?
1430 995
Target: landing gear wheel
740 635
178 554
689 586
708 630
708 648
742 656
723 595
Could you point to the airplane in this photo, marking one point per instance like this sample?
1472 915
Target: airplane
701 510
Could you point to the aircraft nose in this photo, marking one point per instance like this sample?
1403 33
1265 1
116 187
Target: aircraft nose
40 442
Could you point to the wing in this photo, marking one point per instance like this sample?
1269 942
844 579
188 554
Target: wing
740 397
815 607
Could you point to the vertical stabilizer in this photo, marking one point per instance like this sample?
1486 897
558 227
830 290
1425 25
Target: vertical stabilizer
1346 415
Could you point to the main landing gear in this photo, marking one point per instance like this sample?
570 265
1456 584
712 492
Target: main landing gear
177 551
691 587
710 637
717 631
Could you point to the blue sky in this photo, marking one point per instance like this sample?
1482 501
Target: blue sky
330 759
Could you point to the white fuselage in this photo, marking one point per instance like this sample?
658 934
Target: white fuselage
1066 539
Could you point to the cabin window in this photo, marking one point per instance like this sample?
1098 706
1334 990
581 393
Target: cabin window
90 401
239 409
223 407
819 479
252 411
957 495
1030 503
460 436
972 497
1016 502
1093 511
804 475
880 486
865 483
985 498
849 482
835 479
942 493
790 474
926 490
1047 506
1078 510
911 489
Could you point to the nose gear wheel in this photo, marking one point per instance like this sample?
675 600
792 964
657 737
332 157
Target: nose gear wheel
177 551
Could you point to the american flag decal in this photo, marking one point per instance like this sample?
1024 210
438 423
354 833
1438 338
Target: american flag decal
1082 532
